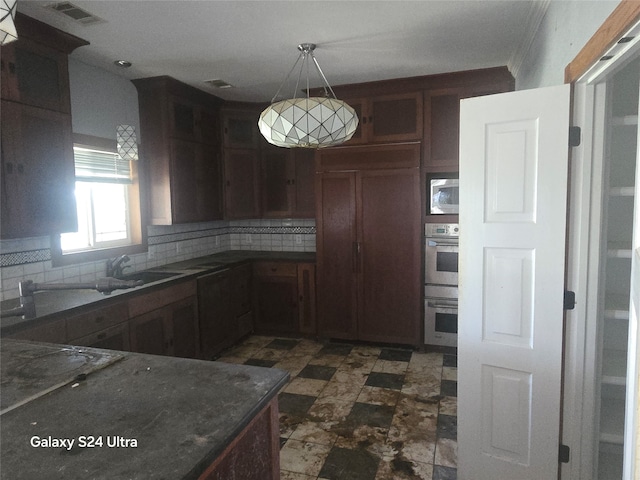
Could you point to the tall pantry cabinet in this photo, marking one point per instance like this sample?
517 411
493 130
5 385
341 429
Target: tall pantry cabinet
368 243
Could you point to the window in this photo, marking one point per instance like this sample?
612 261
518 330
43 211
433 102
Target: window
108 206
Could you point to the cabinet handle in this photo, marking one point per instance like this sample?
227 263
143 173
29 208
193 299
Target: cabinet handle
364 120
356 257
20 168
370 118
100 319
102 336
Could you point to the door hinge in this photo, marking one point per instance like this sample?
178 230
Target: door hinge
575 134
569 300
564 454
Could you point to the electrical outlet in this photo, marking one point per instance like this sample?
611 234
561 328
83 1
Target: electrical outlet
247 238
151 255
298 239
217 240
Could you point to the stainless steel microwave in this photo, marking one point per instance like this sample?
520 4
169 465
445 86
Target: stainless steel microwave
444 195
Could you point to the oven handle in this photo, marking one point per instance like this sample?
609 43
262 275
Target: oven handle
444 243
440 304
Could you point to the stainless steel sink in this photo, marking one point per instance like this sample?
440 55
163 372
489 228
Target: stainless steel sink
149 277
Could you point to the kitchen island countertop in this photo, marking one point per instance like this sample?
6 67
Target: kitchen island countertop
157 417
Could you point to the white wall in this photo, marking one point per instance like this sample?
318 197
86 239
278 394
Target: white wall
564 30
100 101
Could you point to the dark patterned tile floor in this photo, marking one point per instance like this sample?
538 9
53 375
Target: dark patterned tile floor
361 412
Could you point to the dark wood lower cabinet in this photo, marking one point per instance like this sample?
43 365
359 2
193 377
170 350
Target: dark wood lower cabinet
224 309
170 330
275 286
254 454
214 313
112 338
284 297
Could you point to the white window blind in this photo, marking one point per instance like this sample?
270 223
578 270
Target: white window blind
100 166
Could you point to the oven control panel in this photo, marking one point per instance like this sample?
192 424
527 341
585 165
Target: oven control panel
441 230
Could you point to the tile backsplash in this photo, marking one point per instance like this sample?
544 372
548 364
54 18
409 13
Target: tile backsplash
30 258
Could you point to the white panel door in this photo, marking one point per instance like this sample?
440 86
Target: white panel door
513 190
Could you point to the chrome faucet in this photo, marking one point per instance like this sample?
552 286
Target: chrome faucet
115 266
28 288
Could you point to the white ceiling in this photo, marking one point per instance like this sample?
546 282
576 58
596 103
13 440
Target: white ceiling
252 44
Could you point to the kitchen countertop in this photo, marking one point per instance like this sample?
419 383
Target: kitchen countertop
158 417
54 304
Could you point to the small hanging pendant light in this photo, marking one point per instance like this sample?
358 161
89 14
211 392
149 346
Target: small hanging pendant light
309 122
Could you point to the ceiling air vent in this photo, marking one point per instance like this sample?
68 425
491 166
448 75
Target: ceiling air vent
76 13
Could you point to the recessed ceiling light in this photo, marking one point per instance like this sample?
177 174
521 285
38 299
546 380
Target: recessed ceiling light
122 63
217 83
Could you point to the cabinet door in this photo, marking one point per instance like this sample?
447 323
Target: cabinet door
388 118
288 182
35 75
185 158
196 179
442 113
210 178
214 312
241 184
148 333
360 136
304 183
275 297
241 289
240 128
38 173
184 119
390 259
278 173
183 328
307 298
337 268
395 118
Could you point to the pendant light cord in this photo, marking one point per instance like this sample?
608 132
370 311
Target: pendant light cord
306 51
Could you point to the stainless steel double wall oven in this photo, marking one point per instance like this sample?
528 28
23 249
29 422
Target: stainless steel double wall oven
441 284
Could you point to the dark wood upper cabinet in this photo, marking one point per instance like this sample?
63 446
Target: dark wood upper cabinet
34 69
38 173
180 130
287 182
240 127
241 176
387 118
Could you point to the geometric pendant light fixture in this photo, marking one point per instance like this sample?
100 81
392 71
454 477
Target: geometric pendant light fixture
8 31
309 122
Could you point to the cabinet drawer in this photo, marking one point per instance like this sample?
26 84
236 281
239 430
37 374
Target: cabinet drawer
115 337
52 332
275 269
148 302
95 320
